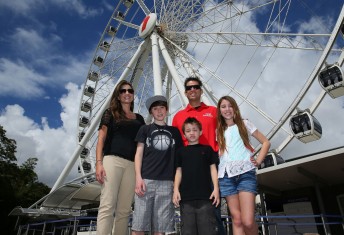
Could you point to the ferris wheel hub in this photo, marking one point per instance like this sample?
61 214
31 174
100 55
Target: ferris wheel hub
147 26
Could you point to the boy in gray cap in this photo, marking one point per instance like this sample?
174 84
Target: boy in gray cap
154 168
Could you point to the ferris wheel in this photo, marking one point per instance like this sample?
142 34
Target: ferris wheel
263 53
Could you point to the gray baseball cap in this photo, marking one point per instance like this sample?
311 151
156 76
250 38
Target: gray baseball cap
153 99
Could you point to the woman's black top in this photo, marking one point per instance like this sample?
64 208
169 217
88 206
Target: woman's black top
120 139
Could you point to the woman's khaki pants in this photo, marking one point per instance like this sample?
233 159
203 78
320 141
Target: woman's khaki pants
117 195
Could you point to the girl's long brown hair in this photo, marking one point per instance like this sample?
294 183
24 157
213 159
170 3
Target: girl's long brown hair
115 104
222 125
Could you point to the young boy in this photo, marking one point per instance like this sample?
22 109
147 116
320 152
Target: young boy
195 184
154 167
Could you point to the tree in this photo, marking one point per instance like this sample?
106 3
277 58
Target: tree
7 147
19 184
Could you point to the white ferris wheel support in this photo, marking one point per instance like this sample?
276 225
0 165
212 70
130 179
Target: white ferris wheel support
232 89
156 65
96 120
172 70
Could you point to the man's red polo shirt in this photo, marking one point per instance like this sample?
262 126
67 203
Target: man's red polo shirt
207 117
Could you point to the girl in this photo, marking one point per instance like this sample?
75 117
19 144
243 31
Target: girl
237 175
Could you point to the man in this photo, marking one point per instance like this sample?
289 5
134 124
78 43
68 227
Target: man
197 109
207 116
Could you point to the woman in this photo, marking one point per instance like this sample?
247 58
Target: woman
236 171
115 154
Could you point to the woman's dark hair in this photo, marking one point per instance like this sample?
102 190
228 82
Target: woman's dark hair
115 104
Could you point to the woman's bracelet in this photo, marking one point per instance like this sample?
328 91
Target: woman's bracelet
99 161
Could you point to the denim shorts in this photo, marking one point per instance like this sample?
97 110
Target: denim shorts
244 182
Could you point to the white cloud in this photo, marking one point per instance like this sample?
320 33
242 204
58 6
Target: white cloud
28 7
53 147
78 7
315 24
17 80
20 7
42 65
30 43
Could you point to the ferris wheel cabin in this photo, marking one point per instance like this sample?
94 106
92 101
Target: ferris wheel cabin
86 166
89 91
272 159
86 106
83 121
84 153
98 61
119 15
81 135
112 31
105 46
331 80
128 3
305 127
93 76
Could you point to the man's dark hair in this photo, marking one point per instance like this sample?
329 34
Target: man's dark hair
191 120
196 79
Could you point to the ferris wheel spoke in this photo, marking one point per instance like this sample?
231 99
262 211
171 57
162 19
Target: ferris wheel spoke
177 15
125 44
130 25
143 7
214 75
277 18
193 72
273 40
220 12
139 67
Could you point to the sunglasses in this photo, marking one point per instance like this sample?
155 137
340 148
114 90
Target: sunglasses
130 90
195 87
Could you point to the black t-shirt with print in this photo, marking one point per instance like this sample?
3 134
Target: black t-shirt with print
160 145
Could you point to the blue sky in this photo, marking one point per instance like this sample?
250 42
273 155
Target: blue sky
44 45
46 48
